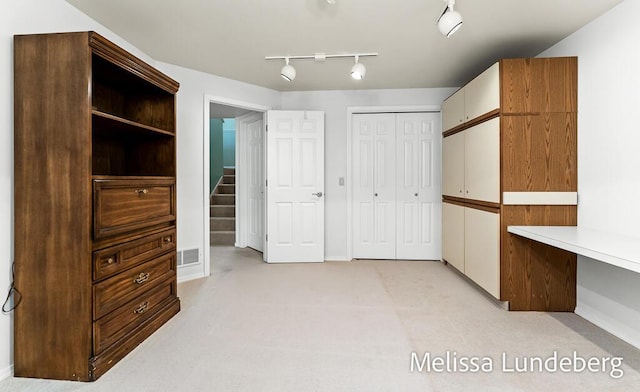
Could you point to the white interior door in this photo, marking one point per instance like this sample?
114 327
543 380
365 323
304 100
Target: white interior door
295 186
374 186
255 132
418 186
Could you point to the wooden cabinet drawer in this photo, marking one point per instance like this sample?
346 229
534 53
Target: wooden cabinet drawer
117 258
124 287
126 318
123 205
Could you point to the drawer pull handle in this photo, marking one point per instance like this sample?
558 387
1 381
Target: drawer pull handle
141 191
143 277
110 260
167 240
141 308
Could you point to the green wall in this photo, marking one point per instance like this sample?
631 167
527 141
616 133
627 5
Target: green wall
216 162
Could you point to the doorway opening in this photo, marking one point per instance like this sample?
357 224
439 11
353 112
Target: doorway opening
232 163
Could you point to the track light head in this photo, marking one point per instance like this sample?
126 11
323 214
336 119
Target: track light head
358 70
288 73
450 21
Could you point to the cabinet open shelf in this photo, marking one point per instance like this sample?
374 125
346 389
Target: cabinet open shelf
108 122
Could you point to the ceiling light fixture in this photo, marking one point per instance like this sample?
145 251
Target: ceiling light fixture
450 21
288 73
358 70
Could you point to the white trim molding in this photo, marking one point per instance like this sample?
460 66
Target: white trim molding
540 198
6 372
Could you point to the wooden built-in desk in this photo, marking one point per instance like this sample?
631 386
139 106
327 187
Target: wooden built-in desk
615 249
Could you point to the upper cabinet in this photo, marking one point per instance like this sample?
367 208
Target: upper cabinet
482 94
478 97
539 85
453 110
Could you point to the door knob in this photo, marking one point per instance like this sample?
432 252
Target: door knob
319 194
415 194
375 194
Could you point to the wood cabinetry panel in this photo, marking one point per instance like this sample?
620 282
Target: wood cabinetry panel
112 293
126 205
536 276
535 85
50 149
109 261
123 320
539 153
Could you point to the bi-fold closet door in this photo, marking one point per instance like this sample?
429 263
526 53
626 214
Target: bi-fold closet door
396 186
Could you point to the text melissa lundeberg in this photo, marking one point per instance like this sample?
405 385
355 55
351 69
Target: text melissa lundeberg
452 362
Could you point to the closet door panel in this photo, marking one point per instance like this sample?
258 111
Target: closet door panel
385 187
418 187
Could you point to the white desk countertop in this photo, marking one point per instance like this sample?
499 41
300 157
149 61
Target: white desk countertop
615 249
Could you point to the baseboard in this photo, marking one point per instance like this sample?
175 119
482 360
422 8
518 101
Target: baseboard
614 327
182 279
336 258
6 372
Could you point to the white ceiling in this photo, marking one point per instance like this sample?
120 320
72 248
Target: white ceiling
231 38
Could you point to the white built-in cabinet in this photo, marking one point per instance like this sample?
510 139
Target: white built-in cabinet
482 249
509 158
471 172
478 97
396 186
471 163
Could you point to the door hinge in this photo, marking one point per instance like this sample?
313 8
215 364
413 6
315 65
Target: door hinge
266 238
266 128
266 182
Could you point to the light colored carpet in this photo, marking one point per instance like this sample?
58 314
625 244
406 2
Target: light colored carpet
350 326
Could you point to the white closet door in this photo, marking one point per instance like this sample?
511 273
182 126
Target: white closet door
374 186
418 186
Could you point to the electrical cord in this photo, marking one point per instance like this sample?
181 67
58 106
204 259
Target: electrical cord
17 296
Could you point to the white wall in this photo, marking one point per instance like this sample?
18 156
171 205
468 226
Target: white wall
608 160
194 86
25 17
334 104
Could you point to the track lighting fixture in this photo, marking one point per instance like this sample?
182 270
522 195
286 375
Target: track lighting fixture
450 20
288 73
358 70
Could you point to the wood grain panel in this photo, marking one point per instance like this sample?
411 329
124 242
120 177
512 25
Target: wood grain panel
52 148
539 153
535 276
537 85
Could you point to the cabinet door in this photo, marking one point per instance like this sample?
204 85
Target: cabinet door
482 161
481 249
453 165
482 94
453 110
453 235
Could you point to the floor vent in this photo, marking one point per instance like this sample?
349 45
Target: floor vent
188 256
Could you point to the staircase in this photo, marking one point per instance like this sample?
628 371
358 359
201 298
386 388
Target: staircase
223 210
